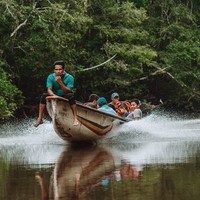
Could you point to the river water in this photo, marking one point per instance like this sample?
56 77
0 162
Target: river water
155 158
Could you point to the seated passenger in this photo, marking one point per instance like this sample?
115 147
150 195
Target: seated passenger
114 101
102 103
92 101
123 110
135 111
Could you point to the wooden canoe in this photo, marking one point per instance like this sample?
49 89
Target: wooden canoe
93 125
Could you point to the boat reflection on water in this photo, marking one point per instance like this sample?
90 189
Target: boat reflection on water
78 171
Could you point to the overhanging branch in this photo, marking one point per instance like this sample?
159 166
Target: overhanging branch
18 27
96 66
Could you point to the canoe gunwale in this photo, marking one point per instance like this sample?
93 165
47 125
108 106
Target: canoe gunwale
86 107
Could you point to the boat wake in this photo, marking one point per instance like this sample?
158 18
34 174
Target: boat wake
21 142
136 141
156 139
157 127
23 132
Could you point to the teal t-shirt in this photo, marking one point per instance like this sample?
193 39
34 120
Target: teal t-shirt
108 109
67 79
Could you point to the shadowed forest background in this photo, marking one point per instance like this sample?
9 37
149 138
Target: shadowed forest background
156 43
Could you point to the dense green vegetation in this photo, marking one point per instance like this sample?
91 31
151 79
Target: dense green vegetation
156 43
10 98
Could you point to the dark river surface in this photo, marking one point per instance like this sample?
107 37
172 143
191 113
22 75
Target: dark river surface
156 158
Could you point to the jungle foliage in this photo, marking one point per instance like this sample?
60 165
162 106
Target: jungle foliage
156 43
10 98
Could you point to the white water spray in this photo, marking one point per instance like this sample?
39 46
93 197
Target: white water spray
158 128
22 142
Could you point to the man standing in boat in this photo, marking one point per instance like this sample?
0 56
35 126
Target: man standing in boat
59 83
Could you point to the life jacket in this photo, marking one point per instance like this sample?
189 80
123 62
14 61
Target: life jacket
128 105
118 104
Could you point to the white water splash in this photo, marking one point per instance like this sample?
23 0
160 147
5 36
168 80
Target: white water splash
23 143
158 127
156 139
25 133
155 134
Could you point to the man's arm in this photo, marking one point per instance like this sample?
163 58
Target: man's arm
49 85
50 91
62 85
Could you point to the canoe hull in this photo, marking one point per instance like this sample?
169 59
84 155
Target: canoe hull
93 124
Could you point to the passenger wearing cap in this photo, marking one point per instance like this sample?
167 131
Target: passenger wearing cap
102 103
114 101
120 107
135 111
